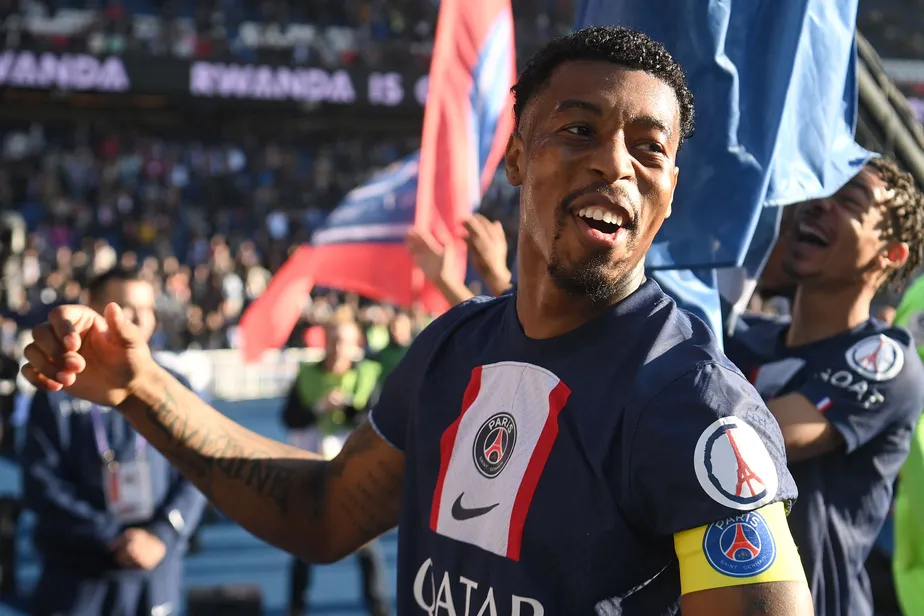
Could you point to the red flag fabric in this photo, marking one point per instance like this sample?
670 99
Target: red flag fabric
467 121
269 320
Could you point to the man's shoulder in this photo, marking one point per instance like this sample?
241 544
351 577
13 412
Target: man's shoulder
678 347
881 352
461 315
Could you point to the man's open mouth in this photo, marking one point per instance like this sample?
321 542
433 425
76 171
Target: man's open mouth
601 219
810 234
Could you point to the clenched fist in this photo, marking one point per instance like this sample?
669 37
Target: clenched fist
97 358
136 548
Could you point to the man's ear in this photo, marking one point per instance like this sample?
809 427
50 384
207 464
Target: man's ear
670 204
895 255
514 159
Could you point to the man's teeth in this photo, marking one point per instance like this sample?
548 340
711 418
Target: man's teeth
808 230
596 213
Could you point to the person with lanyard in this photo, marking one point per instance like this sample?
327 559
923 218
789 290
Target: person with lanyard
325 403
845 388
113 517
577 446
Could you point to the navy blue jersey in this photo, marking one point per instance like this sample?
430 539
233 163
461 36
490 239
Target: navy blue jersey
550 476
869 383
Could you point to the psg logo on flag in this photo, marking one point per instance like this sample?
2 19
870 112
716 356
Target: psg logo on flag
494 444
741 546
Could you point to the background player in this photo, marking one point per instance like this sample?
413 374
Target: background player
515 441
846 389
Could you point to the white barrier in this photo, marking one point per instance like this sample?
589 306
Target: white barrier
224 375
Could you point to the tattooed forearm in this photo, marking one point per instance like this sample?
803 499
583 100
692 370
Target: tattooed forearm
373 505
200 451
287 496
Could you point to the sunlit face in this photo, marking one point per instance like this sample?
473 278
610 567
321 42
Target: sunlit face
401 329
846 238
343 341
135 297
595 158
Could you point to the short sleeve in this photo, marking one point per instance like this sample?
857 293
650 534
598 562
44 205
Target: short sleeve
398 398
390 414
870 386
705 448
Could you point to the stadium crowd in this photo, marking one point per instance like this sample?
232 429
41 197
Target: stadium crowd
208 223
327 34
208 220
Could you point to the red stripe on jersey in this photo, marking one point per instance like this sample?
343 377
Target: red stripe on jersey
448 441
558 397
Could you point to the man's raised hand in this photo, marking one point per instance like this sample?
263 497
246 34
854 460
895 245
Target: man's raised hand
90 356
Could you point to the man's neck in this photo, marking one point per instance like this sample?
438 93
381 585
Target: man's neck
545 311
819 313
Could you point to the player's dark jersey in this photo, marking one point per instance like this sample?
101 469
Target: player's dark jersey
550 476
869 383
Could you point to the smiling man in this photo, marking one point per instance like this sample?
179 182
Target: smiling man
846 389
578 447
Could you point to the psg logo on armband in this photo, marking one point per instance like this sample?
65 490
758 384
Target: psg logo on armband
741 546
494 444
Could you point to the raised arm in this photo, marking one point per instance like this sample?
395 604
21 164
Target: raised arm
318 510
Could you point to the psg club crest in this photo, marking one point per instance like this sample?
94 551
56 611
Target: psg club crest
733 466
741 546
877 358
494 444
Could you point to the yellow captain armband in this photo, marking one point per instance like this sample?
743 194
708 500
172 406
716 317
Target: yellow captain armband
749 548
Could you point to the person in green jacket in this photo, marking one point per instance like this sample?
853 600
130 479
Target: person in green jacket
908 516
400 336
325 403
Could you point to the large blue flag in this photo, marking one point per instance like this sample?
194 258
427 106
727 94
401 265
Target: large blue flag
775 89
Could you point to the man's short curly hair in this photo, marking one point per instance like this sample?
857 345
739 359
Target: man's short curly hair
906 208
628 48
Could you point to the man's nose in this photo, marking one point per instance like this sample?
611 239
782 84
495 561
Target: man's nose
612 160
820 206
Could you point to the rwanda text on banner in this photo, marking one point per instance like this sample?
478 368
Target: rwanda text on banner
775 91
467 122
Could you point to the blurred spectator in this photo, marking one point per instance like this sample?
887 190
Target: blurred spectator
327 400
113 517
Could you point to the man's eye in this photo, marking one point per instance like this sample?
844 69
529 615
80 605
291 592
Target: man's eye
580 130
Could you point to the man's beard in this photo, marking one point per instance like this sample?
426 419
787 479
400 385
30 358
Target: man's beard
590 279
587 280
